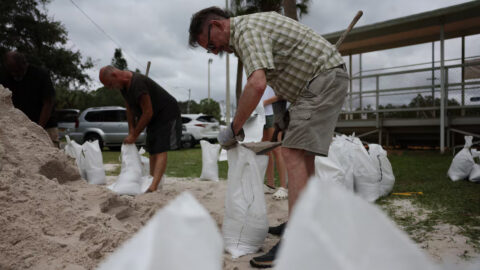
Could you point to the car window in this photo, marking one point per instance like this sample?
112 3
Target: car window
186 120
95 116
121 116
207 118
67 116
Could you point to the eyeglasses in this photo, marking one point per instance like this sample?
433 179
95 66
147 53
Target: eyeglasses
210 46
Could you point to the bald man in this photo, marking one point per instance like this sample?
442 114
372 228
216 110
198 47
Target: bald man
148 106
32 91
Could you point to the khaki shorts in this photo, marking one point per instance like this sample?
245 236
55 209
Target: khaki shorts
314 114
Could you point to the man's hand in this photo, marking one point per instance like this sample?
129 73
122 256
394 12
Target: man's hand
227 138
130 139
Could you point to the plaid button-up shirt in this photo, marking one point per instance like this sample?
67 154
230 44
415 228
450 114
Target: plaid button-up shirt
290 53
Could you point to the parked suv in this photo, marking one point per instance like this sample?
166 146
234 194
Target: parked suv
108 125
200 127
66 121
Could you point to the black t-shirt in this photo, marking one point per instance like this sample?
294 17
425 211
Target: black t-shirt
29 94
165 107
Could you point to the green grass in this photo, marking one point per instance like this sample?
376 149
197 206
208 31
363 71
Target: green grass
455 203
181 163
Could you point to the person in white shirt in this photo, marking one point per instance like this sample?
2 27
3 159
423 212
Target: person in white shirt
281 193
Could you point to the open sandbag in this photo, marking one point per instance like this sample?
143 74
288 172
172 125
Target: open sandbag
475 173
131 180
180 236
331 228
223 155
210 154
365 175
462 163
339 153
74 150
380 160
93 163
328 170
245 223
145 162
253 127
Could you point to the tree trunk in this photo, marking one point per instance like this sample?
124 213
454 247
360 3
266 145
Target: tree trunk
290 8
238 88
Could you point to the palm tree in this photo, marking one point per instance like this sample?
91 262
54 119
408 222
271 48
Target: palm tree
243 7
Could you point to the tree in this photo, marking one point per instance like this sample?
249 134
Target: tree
25 26
210 107
118 60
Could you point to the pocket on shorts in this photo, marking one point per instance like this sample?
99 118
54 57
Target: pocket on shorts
300 115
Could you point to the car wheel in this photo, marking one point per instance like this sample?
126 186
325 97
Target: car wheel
92 137
190 143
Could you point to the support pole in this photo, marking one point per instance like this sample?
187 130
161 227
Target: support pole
227 90
433 77
360 82
463 75
442 89
351 85
377 101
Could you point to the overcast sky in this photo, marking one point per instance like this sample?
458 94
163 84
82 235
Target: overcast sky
157 31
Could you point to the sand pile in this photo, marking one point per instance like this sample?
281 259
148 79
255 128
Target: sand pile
52 219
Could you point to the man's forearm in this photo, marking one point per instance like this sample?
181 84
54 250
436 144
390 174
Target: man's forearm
46 112
251 95
142 123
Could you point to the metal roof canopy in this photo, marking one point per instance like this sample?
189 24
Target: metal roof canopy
459 20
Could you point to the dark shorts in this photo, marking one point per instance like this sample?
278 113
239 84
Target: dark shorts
268 121
164 136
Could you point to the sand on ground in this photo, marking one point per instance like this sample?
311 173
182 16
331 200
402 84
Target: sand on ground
52 219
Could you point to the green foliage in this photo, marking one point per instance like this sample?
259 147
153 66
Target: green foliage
79 99
210 107
25 26
194 107
118 60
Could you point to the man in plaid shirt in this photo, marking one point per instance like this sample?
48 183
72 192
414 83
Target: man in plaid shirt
302 68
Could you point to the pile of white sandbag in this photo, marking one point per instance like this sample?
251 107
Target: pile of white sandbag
463 165
367 173
180 236
245 223
331 228
134 175
89 160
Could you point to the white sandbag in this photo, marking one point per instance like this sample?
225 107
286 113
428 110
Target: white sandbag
328 170
331 228
210 154
475 173
94 170
223 155
245 223
74 150
145 162
365 175
180 236
339 152
462 163
384 168
131 180
253 127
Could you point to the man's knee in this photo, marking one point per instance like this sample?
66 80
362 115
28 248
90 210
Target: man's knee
292 156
